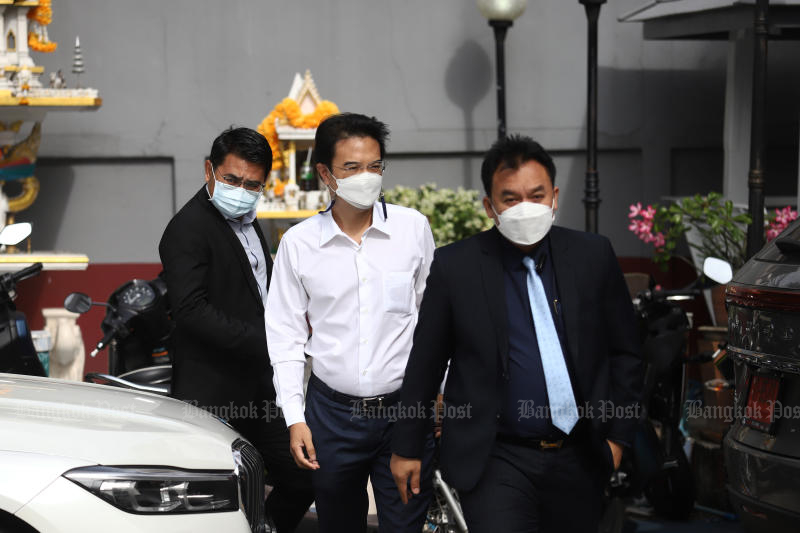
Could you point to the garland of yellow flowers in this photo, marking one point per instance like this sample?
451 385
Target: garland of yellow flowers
288 111
43 14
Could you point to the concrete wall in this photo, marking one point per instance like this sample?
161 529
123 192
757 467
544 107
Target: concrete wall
174 73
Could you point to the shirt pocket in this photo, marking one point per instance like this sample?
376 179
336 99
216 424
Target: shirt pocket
398 290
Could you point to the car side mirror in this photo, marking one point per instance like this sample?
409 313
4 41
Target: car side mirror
718 270
77 302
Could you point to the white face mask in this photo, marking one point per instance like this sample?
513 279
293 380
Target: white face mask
525 223
360 190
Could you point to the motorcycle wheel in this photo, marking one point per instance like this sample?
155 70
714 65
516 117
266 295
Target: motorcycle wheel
671 491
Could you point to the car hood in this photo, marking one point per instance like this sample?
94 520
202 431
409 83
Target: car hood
110 426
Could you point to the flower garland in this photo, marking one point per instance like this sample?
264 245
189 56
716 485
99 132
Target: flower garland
35 44
42 15
288 112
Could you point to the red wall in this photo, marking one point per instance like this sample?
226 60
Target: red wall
49 289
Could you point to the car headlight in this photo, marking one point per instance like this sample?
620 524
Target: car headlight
159 490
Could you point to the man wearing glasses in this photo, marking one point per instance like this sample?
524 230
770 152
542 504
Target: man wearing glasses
346 290
217 268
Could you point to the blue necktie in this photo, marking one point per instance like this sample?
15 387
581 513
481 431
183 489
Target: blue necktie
563 411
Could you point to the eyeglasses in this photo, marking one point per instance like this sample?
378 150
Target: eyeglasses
236 181
376 167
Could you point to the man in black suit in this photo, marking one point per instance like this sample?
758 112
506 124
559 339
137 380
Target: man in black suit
217 267
543 386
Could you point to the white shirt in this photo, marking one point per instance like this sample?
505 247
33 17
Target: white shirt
360 300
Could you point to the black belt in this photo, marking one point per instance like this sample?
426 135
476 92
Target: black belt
531 442
356 402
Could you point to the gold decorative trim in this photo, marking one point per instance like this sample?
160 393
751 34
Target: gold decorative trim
33 258
42 101
287 214
17 68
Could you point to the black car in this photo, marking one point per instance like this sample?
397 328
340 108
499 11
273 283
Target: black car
762 448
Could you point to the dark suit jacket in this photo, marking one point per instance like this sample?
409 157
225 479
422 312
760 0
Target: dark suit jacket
220 343
463 318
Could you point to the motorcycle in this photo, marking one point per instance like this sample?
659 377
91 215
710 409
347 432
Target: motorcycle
17 353
137 331
657 466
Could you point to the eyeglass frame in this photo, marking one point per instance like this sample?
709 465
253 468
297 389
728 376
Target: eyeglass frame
353 170
237 181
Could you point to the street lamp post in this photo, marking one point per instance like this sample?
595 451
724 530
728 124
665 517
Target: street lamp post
591 198
501 15
755 180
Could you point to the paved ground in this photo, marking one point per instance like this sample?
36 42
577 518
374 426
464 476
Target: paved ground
699 523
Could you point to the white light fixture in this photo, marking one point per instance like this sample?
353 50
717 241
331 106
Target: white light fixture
502 9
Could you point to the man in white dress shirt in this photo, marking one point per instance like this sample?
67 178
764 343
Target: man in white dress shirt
346 288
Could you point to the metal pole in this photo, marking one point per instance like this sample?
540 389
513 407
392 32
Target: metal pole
500 29
591 199
755 179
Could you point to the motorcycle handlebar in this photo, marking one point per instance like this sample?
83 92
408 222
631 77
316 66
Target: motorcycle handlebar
667 294
104 341
26 272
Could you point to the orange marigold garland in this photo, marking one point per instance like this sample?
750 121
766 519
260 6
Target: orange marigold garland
288 112
43 15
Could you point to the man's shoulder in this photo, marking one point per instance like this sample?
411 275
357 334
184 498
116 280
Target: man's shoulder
584 238
404 215
307 230
466 248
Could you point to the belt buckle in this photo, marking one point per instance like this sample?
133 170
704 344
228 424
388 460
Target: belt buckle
365 403
550 444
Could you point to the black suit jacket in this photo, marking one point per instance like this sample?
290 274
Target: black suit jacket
463 318
220 343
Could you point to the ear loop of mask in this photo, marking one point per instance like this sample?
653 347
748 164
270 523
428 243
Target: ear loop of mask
333 200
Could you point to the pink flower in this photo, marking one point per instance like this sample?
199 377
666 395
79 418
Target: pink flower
635 210
659 241
783 217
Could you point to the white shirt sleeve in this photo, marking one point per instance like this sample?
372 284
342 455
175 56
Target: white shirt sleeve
287 331
427 258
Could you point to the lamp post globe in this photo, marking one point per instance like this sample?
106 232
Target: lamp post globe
501 15
508 10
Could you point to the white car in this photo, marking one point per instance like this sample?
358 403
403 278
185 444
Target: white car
91 458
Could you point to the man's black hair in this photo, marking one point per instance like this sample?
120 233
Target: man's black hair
244 143
343 126
512 152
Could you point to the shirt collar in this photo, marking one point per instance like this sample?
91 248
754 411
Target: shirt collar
330 229
512 256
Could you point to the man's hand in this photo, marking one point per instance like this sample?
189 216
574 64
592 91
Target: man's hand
403 469
302 447
616 451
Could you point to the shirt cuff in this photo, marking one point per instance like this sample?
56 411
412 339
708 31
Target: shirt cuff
293 413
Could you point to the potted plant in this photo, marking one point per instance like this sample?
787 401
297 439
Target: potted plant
713 227
453 214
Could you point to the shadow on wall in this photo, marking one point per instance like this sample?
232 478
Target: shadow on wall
467 79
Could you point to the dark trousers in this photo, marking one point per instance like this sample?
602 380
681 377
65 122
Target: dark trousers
352 446
292 493
528 490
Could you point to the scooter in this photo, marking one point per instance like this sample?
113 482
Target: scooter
17 353
137 331
657 466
